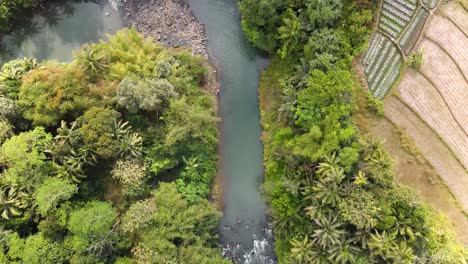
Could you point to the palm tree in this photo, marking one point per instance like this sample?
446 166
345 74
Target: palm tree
346 253
13 201
300 251
319 255
289 32
369 145
401 253
328 232
30 63
402 225
13 73
92 60
281 225
130 144
330 170
381 243
289 98
362 237
64 133
360 179
380 166
327 193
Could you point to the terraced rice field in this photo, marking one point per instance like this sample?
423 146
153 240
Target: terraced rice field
431 104
400 23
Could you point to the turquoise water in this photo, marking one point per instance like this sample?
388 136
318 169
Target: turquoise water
65 28
243 230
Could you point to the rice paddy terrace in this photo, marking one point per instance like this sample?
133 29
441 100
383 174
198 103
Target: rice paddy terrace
429 104
400 22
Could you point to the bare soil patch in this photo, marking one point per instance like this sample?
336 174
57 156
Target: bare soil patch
419 94
451 39
432 148
448 80
458 15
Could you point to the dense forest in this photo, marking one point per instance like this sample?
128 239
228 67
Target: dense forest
330 186
109 158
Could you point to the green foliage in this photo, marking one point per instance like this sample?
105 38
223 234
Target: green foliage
260 21
36 250
331 192
14 201
121 119
51 192
415 60
6 130
93 228
151 95
188 121
93 61
25 158
131 174
53 93
172 230
375 104
10 9
98 126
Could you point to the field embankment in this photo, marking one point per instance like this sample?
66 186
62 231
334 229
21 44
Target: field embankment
430 103
427 105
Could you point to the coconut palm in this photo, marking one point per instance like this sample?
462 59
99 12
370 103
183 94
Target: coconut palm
401 253
326 193
402 225
346 253
360 179
328 232
319 255
369 145
316 211
30 63
300 250
381 243
130 144
289 32
289 98
330 170
92 60
65 133
13 73
380 166
13 201
282 224
362 237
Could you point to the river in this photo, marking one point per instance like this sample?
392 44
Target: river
62 29
244 230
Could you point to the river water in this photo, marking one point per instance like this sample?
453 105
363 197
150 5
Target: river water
62 29
243 230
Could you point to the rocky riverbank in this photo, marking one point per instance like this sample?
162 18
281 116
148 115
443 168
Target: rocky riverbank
172 23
